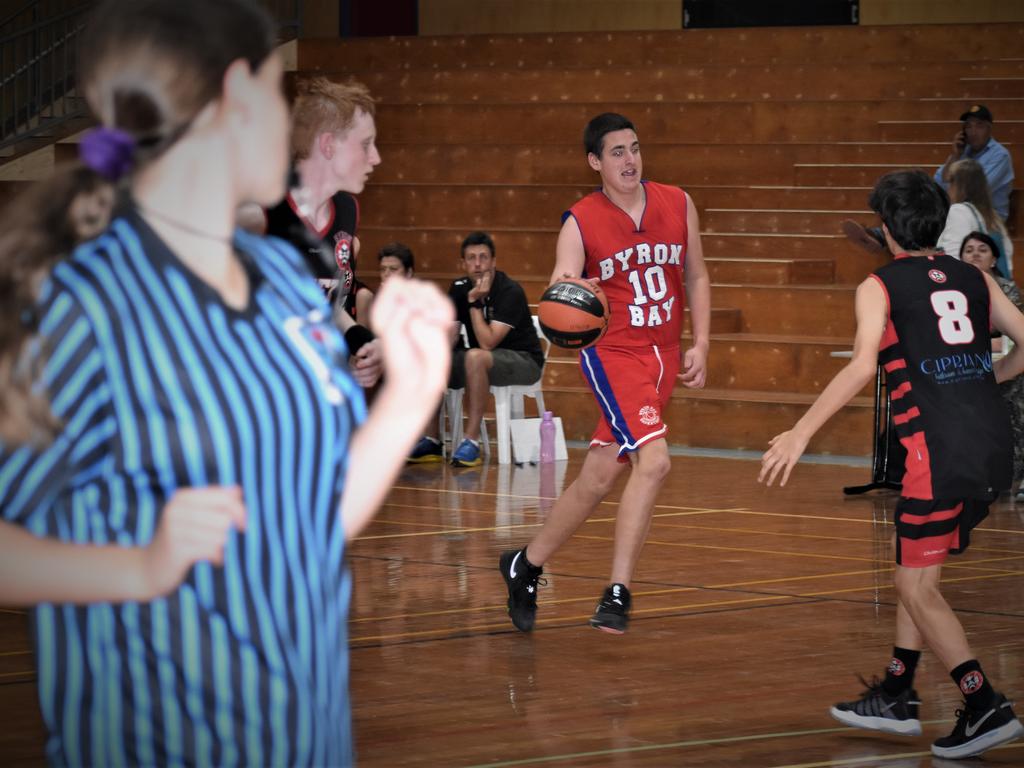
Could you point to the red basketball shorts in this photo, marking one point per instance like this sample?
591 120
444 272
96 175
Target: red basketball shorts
632 385
929 530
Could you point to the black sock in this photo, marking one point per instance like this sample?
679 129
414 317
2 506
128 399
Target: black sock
977 691
899 675
530 566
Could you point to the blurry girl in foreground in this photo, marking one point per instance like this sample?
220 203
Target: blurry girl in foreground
174 352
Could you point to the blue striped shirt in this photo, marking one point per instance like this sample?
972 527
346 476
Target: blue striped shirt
159 386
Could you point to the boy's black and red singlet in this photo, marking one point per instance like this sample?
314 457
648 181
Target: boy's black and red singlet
936 351
285 221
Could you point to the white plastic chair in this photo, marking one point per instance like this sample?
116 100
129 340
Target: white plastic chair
509 404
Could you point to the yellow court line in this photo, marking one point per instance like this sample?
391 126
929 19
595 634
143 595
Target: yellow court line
509 527
676 745
490 511
854 520
609 502
411 524
814 555
734 510
752 531
417 534
431 632
806 595
590 598
705 587
881 760
720 529
685 526
15 653
687 545
973 567
678 511
29 672
667 610
702 510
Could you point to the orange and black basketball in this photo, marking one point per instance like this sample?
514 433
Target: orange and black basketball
573 313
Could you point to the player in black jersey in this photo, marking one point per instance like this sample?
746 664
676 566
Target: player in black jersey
333 154
925 318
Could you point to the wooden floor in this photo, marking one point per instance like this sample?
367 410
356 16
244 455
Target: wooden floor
753 611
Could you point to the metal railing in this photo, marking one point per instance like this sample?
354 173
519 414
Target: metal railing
38 54
38 62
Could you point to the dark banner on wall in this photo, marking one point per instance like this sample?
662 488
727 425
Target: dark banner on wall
372 18
768 13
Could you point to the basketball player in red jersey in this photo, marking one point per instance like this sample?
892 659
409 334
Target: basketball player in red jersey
334 152
925 317
640 241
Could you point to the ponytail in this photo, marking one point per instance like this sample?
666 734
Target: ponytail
37 230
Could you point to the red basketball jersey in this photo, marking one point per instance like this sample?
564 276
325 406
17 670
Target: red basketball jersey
640 269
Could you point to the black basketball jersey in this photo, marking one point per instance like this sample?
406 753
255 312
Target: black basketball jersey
317 247
946 405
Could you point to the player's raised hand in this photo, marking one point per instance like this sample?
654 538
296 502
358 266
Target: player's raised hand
784 452
694 373
194 526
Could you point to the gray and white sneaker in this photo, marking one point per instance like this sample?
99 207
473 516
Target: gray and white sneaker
877 711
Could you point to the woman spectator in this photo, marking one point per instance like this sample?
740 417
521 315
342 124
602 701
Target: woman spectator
979 249
972 210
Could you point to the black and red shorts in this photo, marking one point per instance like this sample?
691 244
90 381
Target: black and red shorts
929 530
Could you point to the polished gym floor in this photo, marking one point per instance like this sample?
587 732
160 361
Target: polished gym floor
754 610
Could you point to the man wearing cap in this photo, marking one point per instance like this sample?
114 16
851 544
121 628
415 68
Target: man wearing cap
974 140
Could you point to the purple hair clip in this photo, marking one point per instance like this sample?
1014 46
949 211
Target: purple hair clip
108 151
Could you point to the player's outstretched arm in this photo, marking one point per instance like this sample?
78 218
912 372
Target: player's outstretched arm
414 319
1009 320
194 527
787 448
569 253
698 299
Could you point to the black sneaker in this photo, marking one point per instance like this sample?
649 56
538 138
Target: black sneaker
978 730
522 582
878 711
612 613
427 451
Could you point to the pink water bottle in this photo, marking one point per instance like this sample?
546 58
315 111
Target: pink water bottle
547 438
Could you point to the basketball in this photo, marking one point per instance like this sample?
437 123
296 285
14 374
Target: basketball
573 313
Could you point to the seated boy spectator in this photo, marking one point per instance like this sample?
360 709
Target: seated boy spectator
503 345
396 259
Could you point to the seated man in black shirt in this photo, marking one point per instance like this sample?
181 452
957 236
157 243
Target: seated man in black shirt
503 345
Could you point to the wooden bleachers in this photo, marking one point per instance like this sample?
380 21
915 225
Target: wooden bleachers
813 46
778 134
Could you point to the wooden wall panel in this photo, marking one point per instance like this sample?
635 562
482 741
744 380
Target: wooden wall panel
874 12
456 17
321 18
448 17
